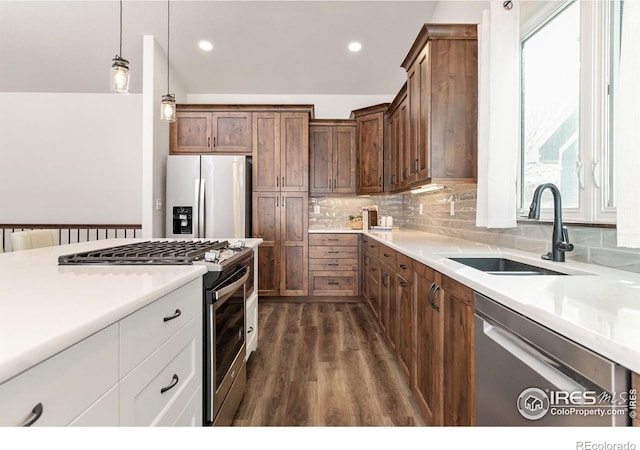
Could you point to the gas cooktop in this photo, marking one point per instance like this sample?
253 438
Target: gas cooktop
158 253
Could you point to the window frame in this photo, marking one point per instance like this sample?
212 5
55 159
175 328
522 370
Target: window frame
594 112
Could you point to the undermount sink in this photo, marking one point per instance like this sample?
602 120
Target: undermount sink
503 266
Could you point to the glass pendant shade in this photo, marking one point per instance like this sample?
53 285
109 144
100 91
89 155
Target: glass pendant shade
168 108
120 75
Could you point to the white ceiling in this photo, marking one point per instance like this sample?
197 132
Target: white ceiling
260 47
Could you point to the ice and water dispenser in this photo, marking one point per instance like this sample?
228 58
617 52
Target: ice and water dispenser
182 220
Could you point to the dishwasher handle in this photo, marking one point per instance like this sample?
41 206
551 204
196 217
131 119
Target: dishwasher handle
529 355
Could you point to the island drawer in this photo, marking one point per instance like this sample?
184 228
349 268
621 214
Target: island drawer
158 390
144 331
387 255
64 385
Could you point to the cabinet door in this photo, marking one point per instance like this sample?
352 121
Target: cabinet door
295 244
365 274
266 225
370 158
294 152
427 379
423 157
388 306
190 133
404 299
266 152
410 155
321 154
458 385
344 160
231 132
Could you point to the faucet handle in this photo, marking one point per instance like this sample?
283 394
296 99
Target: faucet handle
565 245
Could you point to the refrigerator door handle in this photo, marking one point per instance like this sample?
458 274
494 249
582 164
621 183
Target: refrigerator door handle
196 211
201 222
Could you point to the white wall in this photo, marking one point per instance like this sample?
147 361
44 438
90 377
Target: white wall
326 106
70 158
155 140
459 11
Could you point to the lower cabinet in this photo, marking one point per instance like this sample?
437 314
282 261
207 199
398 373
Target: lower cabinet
443 370
333 264
404 300
111 379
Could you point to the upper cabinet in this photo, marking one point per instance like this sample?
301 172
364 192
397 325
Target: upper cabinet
280 151
442 92
370 136
210 130
332 154
396 146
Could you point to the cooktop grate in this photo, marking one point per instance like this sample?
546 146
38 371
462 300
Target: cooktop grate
148 252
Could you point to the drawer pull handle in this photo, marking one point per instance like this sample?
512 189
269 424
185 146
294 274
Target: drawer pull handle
386 255
333 252
333 239
36 412
373 269
404 284
174 381
333 283
333 264
403 267
173 316
250 330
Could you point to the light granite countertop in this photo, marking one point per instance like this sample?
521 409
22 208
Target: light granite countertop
595 306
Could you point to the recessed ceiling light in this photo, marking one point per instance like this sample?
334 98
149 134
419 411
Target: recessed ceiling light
355 46
205 45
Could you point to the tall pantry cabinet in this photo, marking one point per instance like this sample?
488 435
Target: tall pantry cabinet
280 200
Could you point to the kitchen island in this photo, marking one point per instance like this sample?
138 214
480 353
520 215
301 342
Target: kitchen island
48 312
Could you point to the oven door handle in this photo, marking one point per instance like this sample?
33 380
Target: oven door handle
226 290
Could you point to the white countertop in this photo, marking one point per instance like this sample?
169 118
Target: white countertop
45 308
599 309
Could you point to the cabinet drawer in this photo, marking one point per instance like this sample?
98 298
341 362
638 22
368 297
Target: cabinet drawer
145 330
423 271
387 256
332 252
333 239
333 264
192 414
374 268
404 266
372 246
331 283
65 384
141 401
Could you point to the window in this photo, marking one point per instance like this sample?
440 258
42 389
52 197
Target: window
568 59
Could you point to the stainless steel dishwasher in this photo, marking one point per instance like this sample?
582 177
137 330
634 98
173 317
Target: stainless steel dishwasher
528 375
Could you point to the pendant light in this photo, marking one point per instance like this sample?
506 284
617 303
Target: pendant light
168 106
120 68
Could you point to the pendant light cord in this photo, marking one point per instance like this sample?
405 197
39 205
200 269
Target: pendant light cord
120 54
168 20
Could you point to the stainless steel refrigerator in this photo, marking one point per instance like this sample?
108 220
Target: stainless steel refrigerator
208 196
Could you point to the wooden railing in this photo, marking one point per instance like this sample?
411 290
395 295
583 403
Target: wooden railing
72 233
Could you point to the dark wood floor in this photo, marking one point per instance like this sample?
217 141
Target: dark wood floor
323 364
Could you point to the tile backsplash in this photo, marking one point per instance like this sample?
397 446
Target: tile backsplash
431 212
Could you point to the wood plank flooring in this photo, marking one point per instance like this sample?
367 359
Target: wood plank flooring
323 364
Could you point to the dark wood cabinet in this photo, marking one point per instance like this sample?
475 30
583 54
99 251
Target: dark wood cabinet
333 264
210 131
332 148
443 371
370 135
396 151
280 151
428 368
458 381
281 220
442 91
